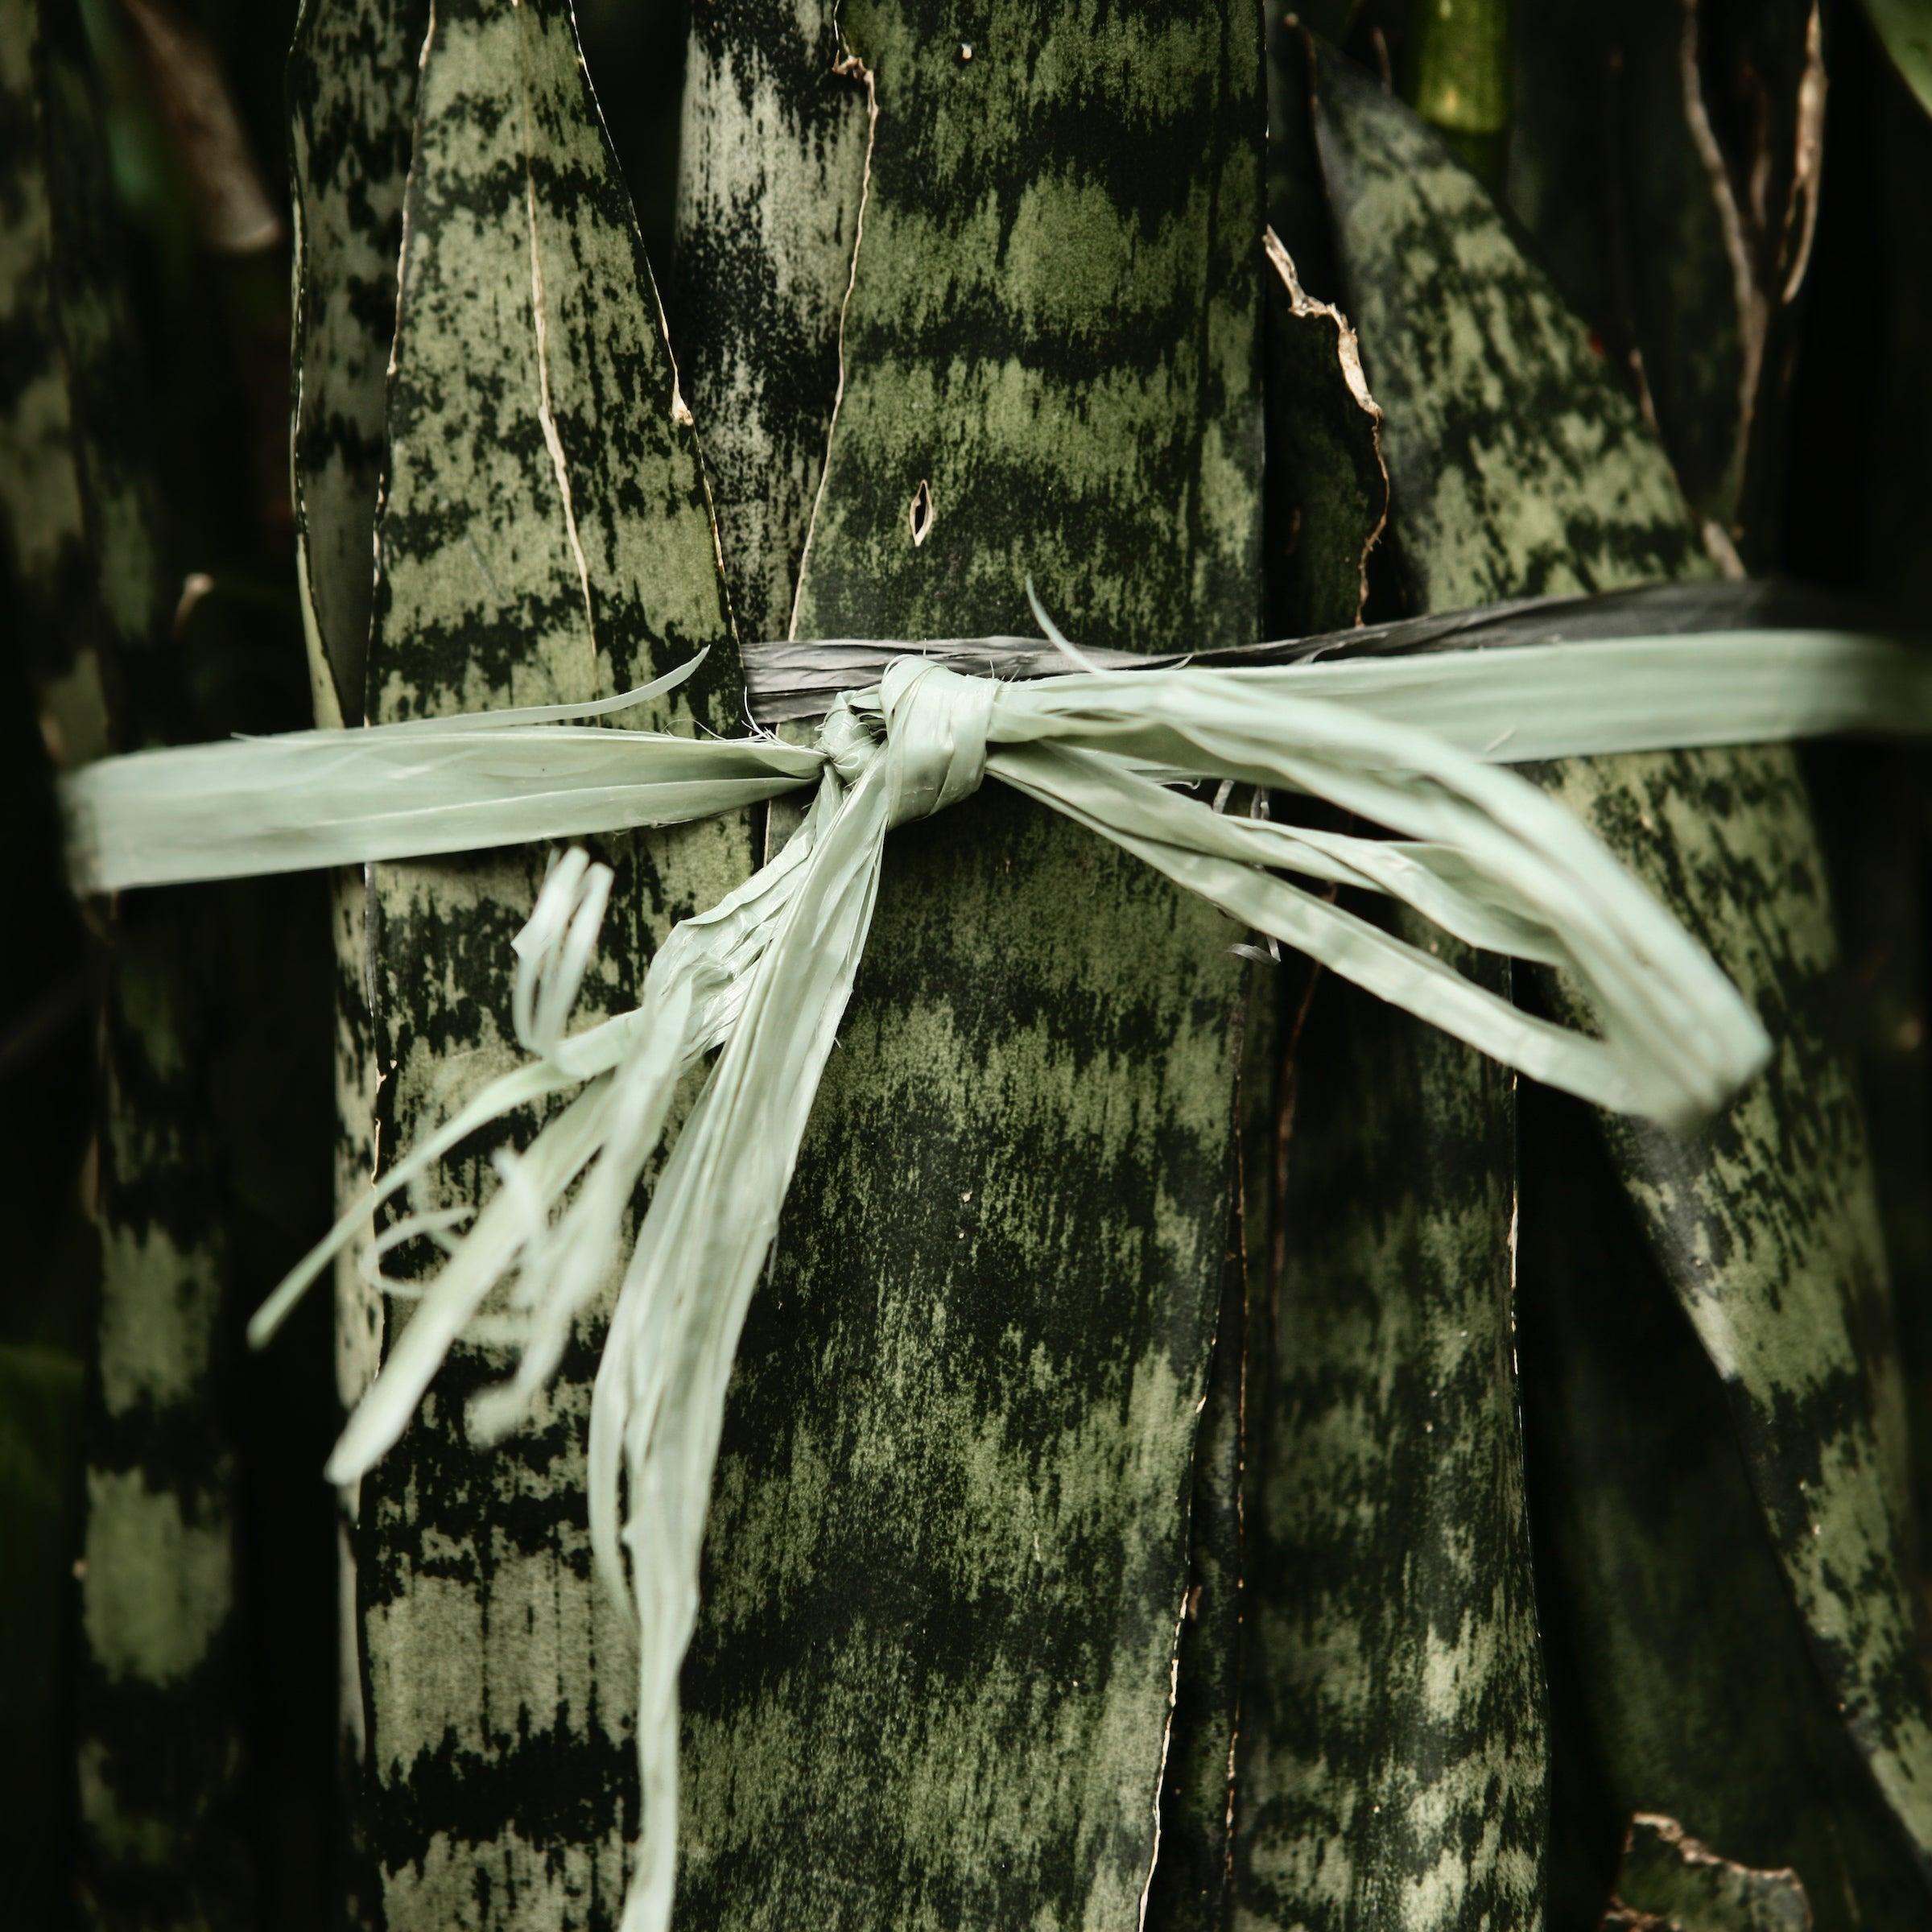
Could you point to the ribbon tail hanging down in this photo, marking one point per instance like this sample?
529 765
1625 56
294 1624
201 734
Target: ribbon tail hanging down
1415 746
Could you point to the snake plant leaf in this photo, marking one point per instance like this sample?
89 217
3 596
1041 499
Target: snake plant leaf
1872 820
1572 491
1669 1875
1764 1228
351 91
1328 493
1905 31
544 535
771 166
53 465
159 1695
1391 1768
1667 160
1656 1576
950 1547
351 87
40 1531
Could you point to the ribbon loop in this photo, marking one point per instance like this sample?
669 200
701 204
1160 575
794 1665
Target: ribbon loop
928 724
936 723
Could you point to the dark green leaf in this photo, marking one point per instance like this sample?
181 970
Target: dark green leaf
40 1530
1392 1765
351 91
1668 1872
773 150
1515 464
950 1546
544 535
1906 31
1656 1577
1391 1771
159 1704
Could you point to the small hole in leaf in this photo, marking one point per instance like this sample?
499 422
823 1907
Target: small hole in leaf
919 518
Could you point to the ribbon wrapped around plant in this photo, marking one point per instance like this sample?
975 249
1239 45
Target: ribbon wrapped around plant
1415 746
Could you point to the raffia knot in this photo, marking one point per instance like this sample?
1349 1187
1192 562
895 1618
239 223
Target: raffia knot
930 725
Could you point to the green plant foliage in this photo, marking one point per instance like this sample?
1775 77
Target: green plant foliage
772 166
1672 1877
40 1532
1391 1767
1656 1577
1497 437
158 1701
352 90
544 534
967 1404
1906 28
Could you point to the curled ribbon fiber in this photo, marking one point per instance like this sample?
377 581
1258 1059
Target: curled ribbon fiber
1417 746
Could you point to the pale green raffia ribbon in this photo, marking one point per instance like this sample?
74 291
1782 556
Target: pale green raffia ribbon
1412 745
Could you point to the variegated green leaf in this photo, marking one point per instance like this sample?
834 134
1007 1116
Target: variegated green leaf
1658 1578
768 197
159 1769
1515 469
1392 1767
352 93
544 535
963 1430
1501 432
1669 1874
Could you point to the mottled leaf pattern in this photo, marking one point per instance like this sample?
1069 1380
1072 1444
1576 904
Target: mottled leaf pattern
544 535
963 1430
351 88
54 358
1394 1768
1670 1874
1113 449
1391 1769
1657 1576
1515 469
160 1750
773 158
1765 1227
351 91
